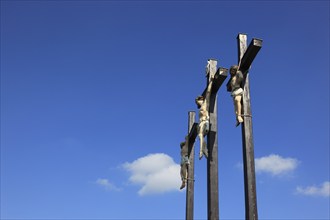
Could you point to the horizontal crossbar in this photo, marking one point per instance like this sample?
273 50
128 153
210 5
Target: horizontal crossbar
219 78
248 57
250 53
193 133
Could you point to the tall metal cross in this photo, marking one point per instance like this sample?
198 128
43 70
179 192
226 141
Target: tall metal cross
220 75
245 59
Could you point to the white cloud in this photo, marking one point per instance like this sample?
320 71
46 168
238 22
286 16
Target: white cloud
107 185
275 165
322 190
156 173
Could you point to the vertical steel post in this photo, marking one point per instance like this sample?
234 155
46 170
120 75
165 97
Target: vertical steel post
191 170
212 162
251 212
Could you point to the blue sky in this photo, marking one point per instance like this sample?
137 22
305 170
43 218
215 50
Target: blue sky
95 98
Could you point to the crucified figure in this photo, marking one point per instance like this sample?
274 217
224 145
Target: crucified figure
204 118
236 91
184 162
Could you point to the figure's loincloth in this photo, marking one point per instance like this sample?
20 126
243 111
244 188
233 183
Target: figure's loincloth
204 126
185 160
237 92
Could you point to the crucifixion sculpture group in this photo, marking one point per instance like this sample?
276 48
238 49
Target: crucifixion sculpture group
238 86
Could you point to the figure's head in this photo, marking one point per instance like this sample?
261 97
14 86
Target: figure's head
233 70
199 101
182 144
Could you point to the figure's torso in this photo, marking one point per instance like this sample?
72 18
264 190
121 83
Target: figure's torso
236 81
203 113
184 150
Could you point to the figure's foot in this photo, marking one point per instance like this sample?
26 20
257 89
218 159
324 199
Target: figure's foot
200 155
183 185
239 120
205 152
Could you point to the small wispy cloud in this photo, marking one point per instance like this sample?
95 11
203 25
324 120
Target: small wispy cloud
275 165
155 173
107 185
321 190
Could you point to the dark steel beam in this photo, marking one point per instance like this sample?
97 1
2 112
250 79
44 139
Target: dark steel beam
193 133
250 54
192 130
246 56
219 77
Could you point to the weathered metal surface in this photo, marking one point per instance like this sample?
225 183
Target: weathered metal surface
245 58
250 54
219 77
246 55
212 162
212 143
192 132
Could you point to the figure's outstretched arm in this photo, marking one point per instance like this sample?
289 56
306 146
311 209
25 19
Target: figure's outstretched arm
208 92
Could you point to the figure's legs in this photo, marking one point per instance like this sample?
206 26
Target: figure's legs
238 108
206 131
201 141
184 175
186 171
201 134
204 150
